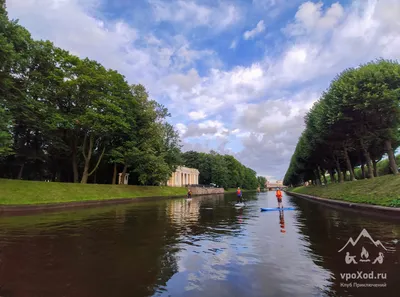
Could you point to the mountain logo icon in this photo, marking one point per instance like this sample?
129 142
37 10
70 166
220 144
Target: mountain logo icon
364 233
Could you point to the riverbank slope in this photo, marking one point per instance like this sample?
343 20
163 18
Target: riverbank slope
18 192
383 191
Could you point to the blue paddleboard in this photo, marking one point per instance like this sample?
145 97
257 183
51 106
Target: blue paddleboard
276 208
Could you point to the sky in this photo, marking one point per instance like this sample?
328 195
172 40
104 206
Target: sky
237 76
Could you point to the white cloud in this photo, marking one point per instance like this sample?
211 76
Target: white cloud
311 19
257 30
197 115
193 14
209 129
181 128
233 44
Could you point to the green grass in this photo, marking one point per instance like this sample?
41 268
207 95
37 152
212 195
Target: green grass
384 190
17 192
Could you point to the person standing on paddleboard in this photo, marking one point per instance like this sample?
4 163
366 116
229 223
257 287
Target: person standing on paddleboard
239 195
189 194
279 197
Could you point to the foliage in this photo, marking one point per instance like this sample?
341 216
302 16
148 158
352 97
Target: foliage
222 170
5 135
70 119
354 124
261 181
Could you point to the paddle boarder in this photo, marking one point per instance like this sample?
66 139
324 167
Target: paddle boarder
279 197
189 194
239 195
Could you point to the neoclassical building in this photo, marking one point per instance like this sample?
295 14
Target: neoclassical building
184 176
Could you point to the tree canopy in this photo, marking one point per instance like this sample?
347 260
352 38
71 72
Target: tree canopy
355 123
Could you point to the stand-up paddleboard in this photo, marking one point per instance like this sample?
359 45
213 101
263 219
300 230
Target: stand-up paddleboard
239 204
188 199
276 208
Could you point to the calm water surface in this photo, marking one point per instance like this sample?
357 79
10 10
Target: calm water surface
205 247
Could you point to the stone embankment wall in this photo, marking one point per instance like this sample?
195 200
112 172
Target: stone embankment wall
207 191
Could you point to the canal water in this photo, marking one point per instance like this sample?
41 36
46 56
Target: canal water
205 247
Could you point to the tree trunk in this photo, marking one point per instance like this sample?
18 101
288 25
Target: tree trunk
362 171
344 173
339 171
368 159
114 178
75 161
88 157
375 169
123 174
392 160
348 163
58 176
332 175
325 182
318 176
21 170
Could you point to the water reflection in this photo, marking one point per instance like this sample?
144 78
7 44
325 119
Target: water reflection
328 230
202 247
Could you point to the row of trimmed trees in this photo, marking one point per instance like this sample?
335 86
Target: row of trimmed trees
355 123
222 170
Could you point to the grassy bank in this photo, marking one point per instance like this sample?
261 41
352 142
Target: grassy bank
384 190
32 192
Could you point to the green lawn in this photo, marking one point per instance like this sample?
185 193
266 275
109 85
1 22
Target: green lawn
19 192
384 190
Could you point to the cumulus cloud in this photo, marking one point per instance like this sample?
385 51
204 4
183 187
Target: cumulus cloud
207 129
197 115
257 30
310 18
193 14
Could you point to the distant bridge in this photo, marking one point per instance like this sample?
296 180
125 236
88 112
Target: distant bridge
273 186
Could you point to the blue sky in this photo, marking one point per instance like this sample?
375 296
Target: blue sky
238 76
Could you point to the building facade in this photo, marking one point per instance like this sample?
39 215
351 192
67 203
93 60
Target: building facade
184 176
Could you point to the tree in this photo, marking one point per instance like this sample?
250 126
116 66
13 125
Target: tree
5 135
355 122
261 181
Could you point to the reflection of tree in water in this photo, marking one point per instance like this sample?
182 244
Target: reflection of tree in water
327 230
100 255
113 251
